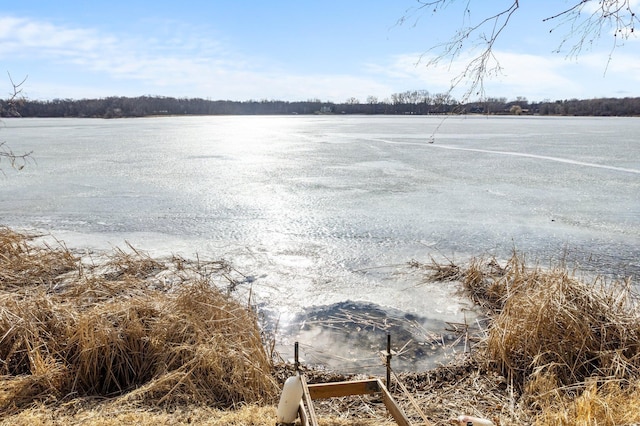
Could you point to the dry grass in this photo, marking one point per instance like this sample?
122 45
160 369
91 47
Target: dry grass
437 271
604 404
116 415
25 264
570 349
112 334
547 322
139 341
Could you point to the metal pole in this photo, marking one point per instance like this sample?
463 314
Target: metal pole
388 360
295 354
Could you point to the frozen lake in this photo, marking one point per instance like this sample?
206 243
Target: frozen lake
324 212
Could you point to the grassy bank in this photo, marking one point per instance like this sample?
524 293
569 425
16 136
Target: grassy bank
75 330
124 338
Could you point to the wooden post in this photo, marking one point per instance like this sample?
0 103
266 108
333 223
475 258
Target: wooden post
295 357
388 360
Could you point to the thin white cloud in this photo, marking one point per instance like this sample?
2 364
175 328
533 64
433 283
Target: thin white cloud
536 77
181 66
21 37
187 64
625 64
119 57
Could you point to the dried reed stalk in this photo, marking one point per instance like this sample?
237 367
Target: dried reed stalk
437 271
23 264
553 323
569 351
112 334
570 348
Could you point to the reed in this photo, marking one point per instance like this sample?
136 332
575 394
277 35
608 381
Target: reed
24 264
113 334
555 324
138 340
570 348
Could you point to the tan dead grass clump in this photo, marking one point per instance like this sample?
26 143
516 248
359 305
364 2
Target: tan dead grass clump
572 349
552 323
24 264
114 335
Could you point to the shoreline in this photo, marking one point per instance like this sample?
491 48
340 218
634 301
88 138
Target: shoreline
497 379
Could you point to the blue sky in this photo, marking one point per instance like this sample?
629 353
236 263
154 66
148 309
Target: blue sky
331 50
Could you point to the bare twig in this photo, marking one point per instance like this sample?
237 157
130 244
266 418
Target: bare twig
587 21
17 161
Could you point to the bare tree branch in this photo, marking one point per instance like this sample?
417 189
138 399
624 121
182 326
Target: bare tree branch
480 36
16 161
587 21
15 97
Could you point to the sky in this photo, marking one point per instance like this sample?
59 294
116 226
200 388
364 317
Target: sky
296 50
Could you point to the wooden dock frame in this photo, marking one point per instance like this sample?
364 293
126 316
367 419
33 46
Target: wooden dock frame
348 388
306 411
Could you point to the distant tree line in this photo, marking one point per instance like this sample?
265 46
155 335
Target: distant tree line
418 102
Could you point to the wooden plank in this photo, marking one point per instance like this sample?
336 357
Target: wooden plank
302 413
313 419
356 387
396 412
